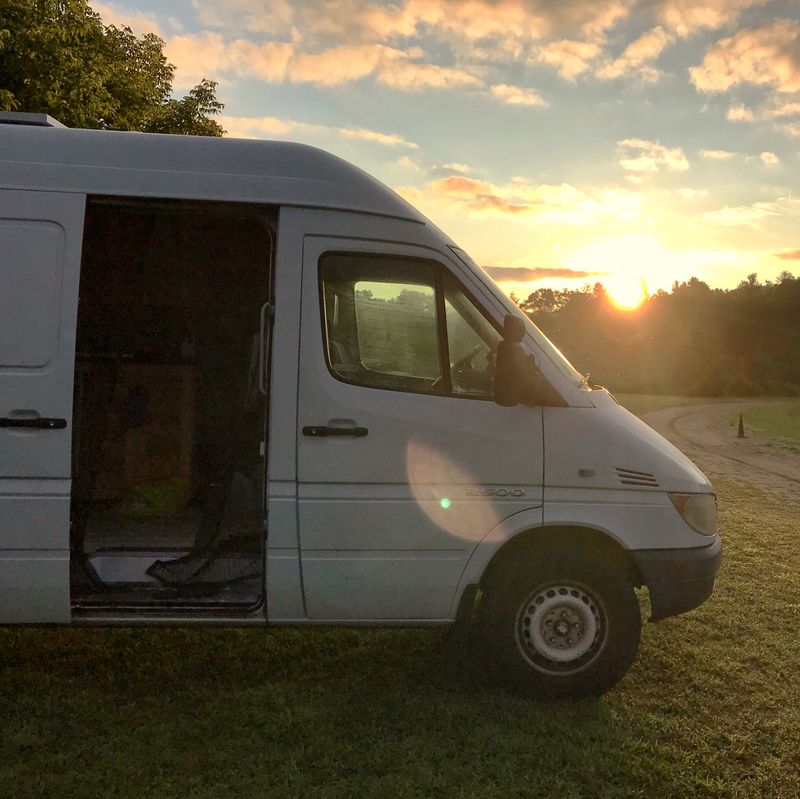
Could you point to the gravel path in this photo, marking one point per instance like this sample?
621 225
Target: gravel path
705 434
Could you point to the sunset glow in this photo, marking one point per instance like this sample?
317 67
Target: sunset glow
627 294
560 144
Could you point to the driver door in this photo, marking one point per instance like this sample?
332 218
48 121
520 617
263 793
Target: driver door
404 460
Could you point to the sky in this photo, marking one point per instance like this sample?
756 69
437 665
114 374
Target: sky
560 142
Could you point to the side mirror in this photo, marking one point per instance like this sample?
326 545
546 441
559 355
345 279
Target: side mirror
513 372
517 381
513 328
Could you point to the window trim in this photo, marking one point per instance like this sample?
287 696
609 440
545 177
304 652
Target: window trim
439 271
441 332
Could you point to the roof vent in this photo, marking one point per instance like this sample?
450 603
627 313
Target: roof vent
630 477
25 118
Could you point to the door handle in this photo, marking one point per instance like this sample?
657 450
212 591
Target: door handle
316 431
265 333
33 423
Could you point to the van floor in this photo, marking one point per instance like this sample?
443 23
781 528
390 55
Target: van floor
148 562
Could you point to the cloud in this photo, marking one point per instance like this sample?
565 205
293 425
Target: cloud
262 127
770 159
387 139
689 16
412 76
740 113
198 55
754 214
407 162
570 57
273 18
516 95
335 42
768 55
643 155
522 274
139 22
788 255
792 129
537 203
777 110
371 20
390 66
740 215
785 109
717 155
479 195
448 170
692 194
339 65
636 57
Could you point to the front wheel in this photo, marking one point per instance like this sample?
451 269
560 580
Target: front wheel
561 626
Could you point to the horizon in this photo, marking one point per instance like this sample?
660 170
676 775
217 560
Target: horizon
631 144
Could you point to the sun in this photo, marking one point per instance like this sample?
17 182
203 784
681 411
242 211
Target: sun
626 293
622 262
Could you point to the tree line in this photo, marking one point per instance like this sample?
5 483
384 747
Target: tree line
692 340
57 57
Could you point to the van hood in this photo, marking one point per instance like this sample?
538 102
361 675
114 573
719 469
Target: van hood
610 448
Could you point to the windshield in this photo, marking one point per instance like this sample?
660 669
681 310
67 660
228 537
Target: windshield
547 347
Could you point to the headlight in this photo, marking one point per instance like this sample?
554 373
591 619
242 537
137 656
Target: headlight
699 511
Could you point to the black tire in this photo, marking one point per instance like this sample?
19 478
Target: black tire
560 626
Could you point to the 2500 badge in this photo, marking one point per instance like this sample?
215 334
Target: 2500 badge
496 492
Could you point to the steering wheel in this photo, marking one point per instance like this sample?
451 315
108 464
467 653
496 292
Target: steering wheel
459 366
461 362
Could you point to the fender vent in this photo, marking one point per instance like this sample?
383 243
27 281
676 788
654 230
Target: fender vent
629 477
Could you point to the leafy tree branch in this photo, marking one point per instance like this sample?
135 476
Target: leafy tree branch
57 57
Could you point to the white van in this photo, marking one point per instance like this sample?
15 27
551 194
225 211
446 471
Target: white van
245 383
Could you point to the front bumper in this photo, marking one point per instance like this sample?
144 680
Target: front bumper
678 579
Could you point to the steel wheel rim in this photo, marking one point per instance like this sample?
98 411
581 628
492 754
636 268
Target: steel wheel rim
561 628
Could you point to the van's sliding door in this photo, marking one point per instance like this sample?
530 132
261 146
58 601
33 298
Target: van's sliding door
40 253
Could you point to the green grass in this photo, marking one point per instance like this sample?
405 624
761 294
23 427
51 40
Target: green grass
710 708
777 421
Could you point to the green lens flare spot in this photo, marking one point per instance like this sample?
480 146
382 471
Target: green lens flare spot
445 503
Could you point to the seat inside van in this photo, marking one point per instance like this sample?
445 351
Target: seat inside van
169 407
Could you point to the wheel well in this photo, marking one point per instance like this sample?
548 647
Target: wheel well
584 541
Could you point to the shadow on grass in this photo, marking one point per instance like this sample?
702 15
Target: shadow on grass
313 705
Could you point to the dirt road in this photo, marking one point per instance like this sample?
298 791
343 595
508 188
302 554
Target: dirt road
705 434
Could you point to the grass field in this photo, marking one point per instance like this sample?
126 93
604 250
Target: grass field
773 419
777 421
711 708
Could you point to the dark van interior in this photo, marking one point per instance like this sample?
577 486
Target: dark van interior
170 405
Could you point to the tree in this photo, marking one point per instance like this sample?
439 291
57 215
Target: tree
191 115
58 58
691 340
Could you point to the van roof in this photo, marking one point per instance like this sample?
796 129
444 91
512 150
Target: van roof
189 167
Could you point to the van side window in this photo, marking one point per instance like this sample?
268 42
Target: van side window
396 325
404 324
381 321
